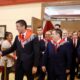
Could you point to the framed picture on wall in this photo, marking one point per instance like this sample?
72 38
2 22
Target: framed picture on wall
2 31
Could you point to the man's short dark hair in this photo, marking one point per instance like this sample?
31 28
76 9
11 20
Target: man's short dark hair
22 23
59 31
58 25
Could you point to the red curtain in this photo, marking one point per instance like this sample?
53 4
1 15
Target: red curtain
48 26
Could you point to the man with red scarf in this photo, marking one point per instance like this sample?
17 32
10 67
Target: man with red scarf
57 59
27 51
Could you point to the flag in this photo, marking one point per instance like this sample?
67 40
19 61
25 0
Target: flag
48 26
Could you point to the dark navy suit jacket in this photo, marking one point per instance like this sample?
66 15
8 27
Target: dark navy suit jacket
59 59
29 55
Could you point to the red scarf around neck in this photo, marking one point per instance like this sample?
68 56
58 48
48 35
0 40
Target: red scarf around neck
28 34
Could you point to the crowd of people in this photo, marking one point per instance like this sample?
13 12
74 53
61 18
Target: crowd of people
55 54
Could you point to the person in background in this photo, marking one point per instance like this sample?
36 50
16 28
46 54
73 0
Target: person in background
70 42
8 58
27 51
66 37
78 51
64 34
57 26
56 57
70 35
40 33
48 35
78 34
74 65
41 74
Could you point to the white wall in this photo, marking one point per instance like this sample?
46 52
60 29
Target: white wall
10 14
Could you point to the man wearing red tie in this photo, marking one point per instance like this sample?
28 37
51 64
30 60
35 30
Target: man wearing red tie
75 39
27 51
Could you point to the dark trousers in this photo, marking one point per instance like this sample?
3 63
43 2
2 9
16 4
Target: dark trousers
57 77
20 72
72 69
72 73
41 74
8 70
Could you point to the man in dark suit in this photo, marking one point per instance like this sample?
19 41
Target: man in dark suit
66 37
57 58
27 50
41 74
76 43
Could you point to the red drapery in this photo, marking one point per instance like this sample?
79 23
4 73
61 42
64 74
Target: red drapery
48 26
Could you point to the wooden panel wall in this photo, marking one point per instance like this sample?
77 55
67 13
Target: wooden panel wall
36 23
71 25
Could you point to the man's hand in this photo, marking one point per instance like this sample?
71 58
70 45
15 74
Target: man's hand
43 68
67 71
0 54
34 70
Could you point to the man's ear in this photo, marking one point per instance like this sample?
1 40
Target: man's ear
23 27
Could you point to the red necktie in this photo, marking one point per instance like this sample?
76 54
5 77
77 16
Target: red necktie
74 42
22 37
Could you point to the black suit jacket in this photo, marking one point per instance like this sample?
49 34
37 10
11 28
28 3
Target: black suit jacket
75 53
29 55
42 50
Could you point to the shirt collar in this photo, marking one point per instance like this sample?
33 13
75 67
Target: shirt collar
24 33
40 36
58 41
